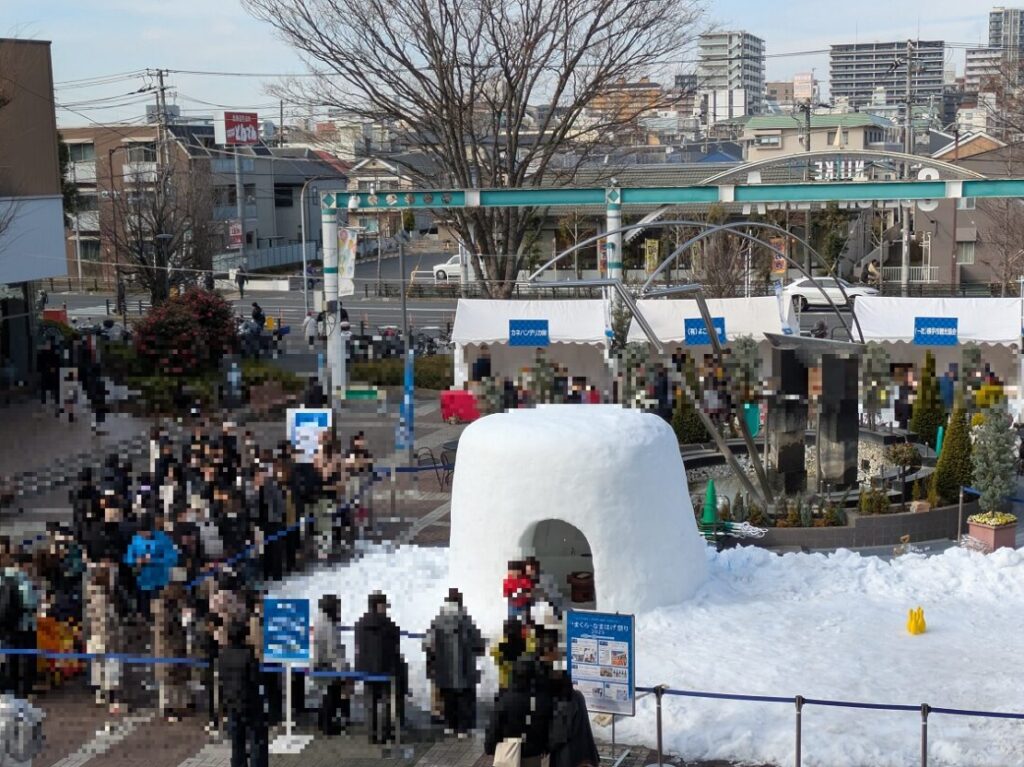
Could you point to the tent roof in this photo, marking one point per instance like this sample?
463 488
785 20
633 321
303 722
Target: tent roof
979 320
480 321
743 317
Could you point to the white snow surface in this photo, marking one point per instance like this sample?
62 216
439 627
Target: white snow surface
611 472
822 626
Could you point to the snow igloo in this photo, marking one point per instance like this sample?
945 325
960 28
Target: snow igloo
584 488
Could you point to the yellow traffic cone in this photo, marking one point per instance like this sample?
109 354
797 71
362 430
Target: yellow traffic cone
921 625
910 621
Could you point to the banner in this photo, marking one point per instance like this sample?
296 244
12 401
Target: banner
347 241
935 331
650 255
305 425
528 333
235 234
285 630
601 660
696 332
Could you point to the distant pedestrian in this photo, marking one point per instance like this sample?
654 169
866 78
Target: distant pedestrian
329 655
208 281
453 644
240 279
152 555
378 652
524 710
258 317
242 699
103 634
310 330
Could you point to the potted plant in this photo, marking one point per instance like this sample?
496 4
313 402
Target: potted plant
994 476
994 529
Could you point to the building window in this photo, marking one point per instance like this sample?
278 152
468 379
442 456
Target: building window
965 253
86 203
965 203
283 197
831 137
141 152
90 250
768 142
82 152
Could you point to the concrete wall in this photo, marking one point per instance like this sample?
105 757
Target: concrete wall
28 124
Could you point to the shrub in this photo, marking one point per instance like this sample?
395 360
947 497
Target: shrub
756 515
433 373
739 508
186 334
928 413
686 423
873 501
257 372
953 469
993 459
66 331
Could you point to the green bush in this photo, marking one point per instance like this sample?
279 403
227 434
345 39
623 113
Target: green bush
164 394
928 412
122 361
994 454
66 331
434 373
257 372
874 501
953 469
688 427
186 333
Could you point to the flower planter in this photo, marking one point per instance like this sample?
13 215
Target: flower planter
992 536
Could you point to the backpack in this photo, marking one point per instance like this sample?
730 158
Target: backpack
11 605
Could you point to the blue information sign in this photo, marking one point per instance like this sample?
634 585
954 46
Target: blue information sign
601 660
285 630
696 331
935 331
528 333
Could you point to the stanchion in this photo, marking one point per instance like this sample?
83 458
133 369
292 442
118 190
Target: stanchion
925 710
659 692
799 701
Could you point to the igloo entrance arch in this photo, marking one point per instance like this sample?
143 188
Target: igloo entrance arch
563 552
611 473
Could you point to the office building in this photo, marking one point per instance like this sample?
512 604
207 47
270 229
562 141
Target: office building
1006 29
731 61
857 69
805 88
981 66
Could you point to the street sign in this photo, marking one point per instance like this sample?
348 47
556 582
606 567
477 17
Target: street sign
602 660
305 425
285 630
696 332
935 331
528 333
235 234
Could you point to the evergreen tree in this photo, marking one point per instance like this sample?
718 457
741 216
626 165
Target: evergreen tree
688 427
994 453
953 469
875 379
927 414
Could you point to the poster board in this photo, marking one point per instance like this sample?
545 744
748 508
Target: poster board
602 660
285 630
305 425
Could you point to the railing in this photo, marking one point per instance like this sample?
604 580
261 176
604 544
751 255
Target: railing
266 258
917 274
82 172
225 212
139 172
88 221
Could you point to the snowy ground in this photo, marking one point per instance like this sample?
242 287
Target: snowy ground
822 626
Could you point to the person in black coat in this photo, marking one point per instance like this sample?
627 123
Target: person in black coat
242 700
378 652
571 741
524 710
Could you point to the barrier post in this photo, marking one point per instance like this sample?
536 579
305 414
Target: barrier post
108 307
288 700
925 710
799 701
659 692
960 519
396 722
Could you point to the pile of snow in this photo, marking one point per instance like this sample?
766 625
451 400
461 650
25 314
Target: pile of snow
822 626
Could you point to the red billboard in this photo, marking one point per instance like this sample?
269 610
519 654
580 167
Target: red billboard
237 129
235 234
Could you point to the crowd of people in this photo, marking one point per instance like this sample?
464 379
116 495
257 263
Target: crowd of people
543 382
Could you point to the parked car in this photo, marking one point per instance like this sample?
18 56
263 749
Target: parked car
804 293
450 268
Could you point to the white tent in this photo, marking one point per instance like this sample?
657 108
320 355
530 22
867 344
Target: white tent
742 317
577 333
599 489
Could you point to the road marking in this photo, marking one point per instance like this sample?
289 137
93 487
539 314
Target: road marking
104 740
424 522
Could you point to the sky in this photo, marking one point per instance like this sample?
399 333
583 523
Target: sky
97 38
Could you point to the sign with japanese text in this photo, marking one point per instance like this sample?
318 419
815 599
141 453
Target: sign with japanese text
285 630
696 332
305 425
528 333
235 234
602 660
935 331
237 129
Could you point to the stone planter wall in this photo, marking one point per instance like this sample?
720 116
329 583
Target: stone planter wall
873 530
1002 537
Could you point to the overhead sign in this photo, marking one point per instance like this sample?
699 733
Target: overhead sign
347 241
935 331
305 425
235 234
236 129
602 660
285 630
696 332
528 333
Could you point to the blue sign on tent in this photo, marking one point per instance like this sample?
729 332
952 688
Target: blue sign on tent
528 333
602 660
935 331
696 332
285 630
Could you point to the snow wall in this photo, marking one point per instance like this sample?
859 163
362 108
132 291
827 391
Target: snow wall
615 474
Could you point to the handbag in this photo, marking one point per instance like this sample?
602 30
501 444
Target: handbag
509 753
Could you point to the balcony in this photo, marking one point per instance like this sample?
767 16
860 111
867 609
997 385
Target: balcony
139 172
87 220
226 212
82 172
918 274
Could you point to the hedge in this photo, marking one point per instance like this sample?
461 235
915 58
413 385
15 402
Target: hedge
428 372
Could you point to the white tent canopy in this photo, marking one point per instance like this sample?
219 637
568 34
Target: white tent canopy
577 328
743 317
995 321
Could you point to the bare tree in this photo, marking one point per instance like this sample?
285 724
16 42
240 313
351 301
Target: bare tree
162 226
717 262
493 91
1003 239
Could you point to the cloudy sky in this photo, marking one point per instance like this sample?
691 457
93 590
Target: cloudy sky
96 38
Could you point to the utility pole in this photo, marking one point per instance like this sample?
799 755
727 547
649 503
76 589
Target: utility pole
161 105
240 205
280 125
908 148
956 205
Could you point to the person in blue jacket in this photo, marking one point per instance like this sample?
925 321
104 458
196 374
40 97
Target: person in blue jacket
152 555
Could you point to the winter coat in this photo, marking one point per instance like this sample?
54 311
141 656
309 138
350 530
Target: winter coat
104 631
328 649
156 573
228 607
377 646
524 710
170 640
571 739
453 644
239 676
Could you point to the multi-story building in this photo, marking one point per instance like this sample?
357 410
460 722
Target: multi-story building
774 136
805 88
629 99
981 67
31 203
780 92
1006 30
731 61
857 69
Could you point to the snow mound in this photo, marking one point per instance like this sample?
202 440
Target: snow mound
822 626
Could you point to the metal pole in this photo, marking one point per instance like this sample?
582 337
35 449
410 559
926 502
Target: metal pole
394 712
335 351
925 710
613 737
240 204
305 279
908 148
959 518
799 701
613 267
659 691
409 379
956 206
78 252
288 700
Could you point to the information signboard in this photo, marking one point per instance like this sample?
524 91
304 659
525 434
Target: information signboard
696 332
602 661
285 630
935 331
528 333
305 425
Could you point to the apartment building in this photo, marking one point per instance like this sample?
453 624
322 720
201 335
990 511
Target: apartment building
780 92
31 204
773 136
731 61
981 67
856 70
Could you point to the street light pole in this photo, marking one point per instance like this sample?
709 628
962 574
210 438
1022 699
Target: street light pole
302 214
956 206
908 148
